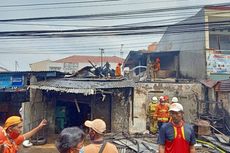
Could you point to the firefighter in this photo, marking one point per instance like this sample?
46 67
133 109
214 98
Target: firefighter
166 100
151 111
174 100
118 70
155 68
161 112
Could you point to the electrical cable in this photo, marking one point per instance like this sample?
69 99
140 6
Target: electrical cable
90 16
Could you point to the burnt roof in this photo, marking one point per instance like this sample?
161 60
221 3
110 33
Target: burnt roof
209 83
223 85
85 86
140 57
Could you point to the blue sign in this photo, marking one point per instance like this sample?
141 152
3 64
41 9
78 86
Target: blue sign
11 81
17 81
5 81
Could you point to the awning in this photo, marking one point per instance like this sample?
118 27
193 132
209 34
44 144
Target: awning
84 86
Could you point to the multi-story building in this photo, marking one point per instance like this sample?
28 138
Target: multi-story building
204 43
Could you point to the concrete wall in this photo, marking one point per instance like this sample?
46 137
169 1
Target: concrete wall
40 66
34 111
144 91
122 100
192 65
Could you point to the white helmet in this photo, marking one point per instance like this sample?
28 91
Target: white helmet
175 100
161 99
154 98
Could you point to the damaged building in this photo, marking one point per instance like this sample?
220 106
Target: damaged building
13 89
139 63
204 46
215 107
123 103
69 102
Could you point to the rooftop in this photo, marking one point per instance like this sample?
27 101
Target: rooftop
94 59
85 86
223 8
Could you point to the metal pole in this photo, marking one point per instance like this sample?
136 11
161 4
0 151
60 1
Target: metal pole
16 65
121 52
102 51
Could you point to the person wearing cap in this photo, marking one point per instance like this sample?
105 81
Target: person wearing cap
174 100
10 134
151 111
176 136
161 114
97 128
70 140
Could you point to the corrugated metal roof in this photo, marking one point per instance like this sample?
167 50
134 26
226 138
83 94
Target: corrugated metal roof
222 8
209 83
223 85
85 86
94 59
33 72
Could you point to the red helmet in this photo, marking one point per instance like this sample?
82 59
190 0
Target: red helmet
166 97
161 99
158 59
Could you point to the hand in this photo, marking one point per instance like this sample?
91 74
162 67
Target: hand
43 123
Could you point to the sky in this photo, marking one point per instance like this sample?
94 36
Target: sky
32 31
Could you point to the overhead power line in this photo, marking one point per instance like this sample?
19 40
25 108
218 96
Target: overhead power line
180 27
89 16
57 3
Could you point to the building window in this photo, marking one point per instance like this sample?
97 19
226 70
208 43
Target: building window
70 66
52 68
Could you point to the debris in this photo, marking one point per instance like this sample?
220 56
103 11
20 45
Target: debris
223 136
210 145
135 143
220 138
217 144
202 127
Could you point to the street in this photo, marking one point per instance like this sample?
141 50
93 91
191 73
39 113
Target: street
50 148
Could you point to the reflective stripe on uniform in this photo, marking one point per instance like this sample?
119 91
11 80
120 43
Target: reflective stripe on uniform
175 132
182 131
162 119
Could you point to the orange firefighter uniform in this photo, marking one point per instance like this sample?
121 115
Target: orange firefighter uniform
118 70
155 68
161 113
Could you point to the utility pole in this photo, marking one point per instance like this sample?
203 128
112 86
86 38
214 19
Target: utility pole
102 52
16 65
121 52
